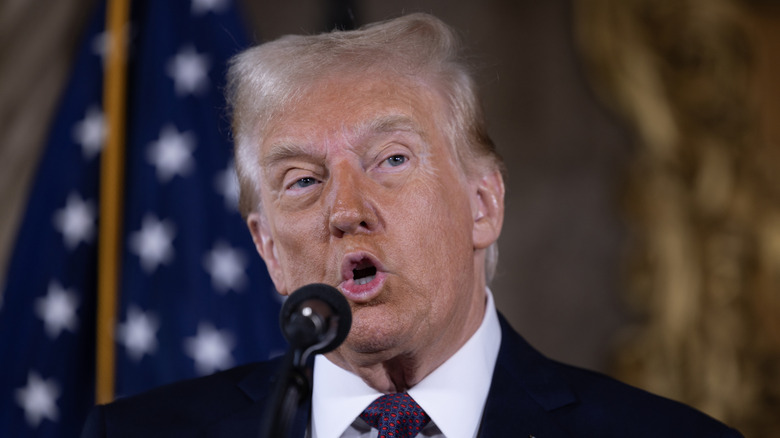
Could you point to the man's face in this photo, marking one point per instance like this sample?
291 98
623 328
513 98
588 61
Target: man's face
361 190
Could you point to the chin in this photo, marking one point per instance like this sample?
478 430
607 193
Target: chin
372 340
377 329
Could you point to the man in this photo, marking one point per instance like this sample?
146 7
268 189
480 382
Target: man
365 164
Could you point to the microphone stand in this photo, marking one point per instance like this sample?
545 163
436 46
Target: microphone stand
315 319
292 387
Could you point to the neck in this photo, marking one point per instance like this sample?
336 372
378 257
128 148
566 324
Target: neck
394 375
393 371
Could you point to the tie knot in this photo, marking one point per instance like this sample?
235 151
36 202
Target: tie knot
395 416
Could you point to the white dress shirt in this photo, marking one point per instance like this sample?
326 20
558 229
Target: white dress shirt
453 395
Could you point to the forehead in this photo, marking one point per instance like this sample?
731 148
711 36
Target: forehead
351 107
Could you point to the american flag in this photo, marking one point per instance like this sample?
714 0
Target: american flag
194 296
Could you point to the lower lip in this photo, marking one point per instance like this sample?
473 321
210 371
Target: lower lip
362 293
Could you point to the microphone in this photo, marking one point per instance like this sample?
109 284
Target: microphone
315 319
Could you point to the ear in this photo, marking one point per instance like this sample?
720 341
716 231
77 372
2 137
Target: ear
487 208
264 243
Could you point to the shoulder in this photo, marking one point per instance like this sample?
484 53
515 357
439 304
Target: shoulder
614 408
588 403
182 408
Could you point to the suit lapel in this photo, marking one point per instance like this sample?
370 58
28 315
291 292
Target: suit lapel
524 392
245 422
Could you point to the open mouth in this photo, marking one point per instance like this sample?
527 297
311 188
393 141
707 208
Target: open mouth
362 277
364 272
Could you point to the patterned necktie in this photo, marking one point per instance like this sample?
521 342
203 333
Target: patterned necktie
395 416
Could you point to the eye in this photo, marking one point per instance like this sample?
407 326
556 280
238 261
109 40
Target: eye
396 160
304 182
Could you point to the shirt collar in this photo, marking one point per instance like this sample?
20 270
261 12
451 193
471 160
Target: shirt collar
339 396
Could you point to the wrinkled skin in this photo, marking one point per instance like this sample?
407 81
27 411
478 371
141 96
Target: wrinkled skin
359 175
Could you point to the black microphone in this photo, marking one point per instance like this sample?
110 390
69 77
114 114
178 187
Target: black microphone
315 319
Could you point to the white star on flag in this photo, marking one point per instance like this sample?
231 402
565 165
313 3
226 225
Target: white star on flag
90 132
200 7
189 71
76 221
171 154
138 333
38 399
153 243
57 310
100 43
226 184
210 349
226 265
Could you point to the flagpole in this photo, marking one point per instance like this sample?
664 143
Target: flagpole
111 196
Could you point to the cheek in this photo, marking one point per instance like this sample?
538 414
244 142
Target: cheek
440 217
298 243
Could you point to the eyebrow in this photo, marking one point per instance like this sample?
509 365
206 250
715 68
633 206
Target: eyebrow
287 149
389 123
282 151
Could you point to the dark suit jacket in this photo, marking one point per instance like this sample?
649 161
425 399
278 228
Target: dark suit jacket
530 396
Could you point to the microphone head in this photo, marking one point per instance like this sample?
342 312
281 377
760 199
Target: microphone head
315 319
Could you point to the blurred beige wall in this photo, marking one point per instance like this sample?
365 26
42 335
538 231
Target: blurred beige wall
37 43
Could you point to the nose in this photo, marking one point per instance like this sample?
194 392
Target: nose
351 210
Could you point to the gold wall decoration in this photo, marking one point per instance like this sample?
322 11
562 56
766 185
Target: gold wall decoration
702 200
